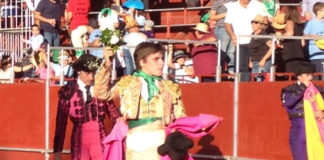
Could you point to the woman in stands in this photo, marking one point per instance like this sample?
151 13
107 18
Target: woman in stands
293 50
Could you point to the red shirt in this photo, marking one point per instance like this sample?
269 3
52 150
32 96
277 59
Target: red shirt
204 58
80 10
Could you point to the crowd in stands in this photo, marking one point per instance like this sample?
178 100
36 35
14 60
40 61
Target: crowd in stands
226 19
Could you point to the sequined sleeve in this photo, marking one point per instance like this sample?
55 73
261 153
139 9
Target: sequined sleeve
292 94
179 110
62 116
101 86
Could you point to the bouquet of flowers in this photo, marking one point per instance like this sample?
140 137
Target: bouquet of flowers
112 39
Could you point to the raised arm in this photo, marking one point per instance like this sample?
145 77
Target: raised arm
101 87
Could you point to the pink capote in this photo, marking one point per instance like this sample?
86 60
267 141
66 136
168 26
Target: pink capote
312 90
194 127
114 142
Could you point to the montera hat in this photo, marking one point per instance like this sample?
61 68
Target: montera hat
179 54
87 63
176 146
304 67
202 27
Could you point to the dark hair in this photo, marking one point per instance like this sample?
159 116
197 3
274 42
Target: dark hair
4 62
317 6
35 25
292 14
144 49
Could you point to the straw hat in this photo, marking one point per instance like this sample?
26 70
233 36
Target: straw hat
202 27
131 24
258 18
279 21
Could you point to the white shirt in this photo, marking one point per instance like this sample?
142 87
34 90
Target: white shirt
32 6
35 41
144 88
83 89
57 70
5 75
132 40
180 74
241 18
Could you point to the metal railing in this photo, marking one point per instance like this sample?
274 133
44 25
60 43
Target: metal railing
12 41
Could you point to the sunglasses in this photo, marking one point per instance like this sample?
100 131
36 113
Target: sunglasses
255 22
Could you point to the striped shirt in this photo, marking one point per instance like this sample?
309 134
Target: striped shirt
219 7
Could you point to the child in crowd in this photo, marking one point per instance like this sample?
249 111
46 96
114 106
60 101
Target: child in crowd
148 29
67 68
5 72
36 40
260 49
182 65
41 63
316 27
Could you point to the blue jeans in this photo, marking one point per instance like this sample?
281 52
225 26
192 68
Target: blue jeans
244 57
227 47
257 69
129 62
52 38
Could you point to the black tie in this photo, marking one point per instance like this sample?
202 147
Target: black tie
89 98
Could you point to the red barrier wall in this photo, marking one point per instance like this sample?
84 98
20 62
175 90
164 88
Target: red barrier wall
263 123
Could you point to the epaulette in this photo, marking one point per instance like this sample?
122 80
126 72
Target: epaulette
67 91
124 82
172 87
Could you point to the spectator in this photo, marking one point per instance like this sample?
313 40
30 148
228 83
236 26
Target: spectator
316 27
270 8
293 52
238 22
218 14
41 64
77 19
48 12
182 66
32 6
260 49
307 8
279 26
148 29
36 40
133 37
5 70
67 68
94 37
204 56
